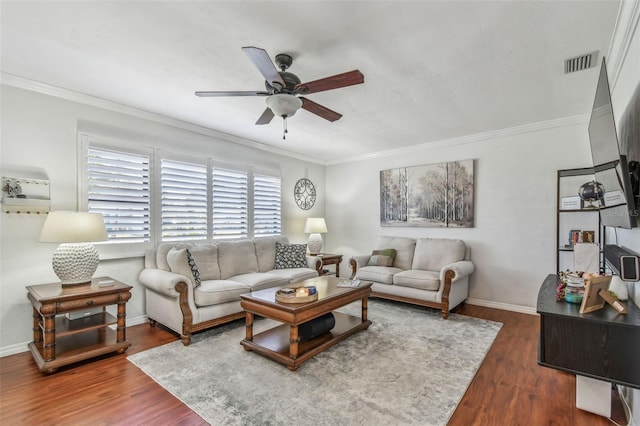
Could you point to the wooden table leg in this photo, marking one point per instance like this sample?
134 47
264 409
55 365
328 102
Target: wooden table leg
121 332
49 347
37 330
293 341
365 302
248 328
338 270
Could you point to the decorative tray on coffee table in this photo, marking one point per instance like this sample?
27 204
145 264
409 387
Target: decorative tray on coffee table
297 295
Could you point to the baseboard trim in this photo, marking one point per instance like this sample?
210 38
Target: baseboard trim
23 346
504 306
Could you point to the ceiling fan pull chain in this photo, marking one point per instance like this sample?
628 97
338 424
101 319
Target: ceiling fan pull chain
284 126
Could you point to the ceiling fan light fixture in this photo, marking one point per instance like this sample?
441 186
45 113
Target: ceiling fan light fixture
283 104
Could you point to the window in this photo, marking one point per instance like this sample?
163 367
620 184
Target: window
183 200
266 205
147 196
118 187
229 197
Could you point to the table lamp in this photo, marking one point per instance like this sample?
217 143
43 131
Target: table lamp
314 226
76 259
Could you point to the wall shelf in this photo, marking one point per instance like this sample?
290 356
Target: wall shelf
25 195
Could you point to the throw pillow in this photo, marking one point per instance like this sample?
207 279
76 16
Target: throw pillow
382 257
181 262
291 256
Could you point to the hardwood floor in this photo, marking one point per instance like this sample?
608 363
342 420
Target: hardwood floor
508 389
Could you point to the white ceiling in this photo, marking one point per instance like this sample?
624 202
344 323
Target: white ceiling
433 70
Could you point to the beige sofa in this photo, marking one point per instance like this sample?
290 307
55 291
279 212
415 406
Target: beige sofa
191 297
426 271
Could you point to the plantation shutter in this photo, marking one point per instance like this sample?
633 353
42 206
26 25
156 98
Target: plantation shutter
119 188
266 205
229 203
183 201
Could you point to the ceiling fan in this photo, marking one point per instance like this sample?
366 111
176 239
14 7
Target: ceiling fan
283 89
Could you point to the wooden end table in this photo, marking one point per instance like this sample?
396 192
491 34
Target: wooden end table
283 343
330 259
59 341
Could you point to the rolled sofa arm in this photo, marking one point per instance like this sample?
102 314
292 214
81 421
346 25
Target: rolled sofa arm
161 281
358 261
461 269
315 263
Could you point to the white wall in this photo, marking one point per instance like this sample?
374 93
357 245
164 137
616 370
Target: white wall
626 77
513 240
39 138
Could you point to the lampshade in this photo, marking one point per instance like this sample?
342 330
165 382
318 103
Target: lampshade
283 104
314 226
76 259
73 227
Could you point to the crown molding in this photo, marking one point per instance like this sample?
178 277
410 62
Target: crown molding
469 139
78 97
623 33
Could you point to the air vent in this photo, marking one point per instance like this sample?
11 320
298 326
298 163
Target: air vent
581 62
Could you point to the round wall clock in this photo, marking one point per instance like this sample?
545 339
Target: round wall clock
304 194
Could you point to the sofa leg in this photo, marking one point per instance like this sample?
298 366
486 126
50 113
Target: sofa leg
445 314
152 322
186 339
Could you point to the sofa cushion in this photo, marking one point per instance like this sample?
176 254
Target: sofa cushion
404 249
382 257
259 280
205 255
432 254
423 280
236 257
380 274
266 251
181 262
290 256
213 292
295 274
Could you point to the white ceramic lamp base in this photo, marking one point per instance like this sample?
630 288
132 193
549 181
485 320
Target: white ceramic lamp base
75 263
314 243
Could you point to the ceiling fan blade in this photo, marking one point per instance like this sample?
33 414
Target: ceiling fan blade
319 110
261 60
266 117
345 79
231 93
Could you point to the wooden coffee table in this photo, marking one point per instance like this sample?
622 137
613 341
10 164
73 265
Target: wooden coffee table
282 343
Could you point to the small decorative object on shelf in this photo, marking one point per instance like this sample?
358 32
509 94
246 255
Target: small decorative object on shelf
12 188
591 192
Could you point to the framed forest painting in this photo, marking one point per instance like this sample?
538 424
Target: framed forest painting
433 195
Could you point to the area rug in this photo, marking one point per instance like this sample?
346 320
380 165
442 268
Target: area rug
410 367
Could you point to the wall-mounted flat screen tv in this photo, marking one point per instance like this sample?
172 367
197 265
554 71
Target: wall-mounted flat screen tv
611 170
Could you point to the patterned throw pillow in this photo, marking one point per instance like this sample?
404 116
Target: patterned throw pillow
382 257
194 270
291 256
181 262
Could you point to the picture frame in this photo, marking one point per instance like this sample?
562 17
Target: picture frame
592 301
570 203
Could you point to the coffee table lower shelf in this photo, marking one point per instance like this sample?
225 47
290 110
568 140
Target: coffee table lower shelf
274 343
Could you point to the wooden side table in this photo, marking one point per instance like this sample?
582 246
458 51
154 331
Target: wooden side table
58 340
330 259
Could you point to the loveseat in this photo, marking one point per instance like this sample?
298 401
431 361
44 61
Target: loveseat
431 272
191 286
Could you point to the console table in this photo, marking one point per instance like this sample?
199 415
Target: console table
603 344
58 340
